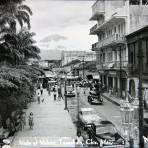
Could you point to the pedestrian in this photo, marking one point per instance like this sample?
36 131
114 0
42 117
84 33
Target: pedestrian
79 141
23 120
59 93
49 89
54 94
41 89
38 98
30 120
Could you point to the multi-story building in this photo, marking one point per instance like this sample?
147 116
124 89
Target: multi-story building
115 19
138 45
68 56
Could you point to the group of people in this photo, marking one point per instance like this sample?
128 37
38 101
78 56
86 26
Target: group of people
23 120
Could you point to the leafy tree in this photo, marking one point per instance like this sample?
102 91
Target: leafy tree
13 12
18 47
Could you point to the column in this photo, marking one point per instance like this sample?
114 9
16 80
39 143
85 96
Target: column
118 81
114 85
107 82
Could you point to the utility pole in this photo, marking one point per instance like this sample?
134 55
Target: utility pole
66 108
78 107
140 94
83 67
120 74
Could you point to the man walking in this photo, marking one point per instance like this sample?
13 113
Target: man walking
38 97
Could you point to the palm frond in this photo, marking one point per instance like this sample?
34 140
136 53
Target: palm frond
25 8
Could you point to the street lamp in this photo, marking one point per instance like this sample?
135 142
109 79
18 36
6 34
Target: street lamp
127 114
66 108
78 105
135 105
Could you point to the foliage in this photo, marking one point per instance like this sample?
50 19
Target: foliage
18 47
13 12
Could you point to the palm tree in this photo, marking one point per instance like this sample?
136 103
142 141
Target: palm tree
13 12
18 47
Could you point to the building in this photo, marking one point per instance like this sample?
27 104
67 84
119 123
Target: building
69 56
115 19
135 41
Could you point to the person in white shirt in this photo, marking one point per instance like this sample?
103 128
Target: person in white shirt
79 141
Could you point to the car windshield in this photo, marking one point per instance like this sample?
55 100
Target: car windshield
89 112
105 129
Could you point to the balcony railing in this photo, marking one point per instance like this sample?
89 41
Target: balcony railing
93 28
94 46
123 64
98 9
113 65
114 39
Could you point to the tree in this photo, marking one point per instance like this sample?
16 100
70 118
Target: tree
13 12
18 47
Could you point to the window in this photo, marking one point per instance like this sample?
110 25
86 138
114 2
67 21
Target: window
110 56
114 29
119 28
134 2
132 53
103 57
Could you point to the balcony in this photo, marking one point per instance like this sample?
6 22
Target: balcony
98 10
101 26
112 65
94 47
123 64
111 41
93 29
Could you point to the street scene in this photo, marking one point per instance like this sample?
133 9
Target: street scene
74 73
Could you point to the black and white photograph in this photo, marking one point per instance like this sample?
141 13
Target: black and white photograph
73 73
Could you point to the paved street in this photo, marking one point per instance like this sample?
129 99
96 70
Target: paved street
51 125
108 110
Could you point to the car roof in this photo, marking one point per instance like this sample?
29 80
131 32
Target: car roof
86 109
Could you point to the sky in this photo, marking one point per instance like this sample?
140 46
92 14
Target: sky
62 25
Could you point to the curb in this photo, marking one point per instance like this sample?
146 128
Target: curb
109 99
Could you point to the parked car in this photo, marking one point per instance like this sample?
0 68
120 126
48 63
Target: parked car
95 98
105 134
70 92
88 116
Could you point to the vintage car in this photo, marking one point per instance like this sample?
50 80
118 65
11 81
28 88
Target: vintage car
70 92
95 98
88 116
105 134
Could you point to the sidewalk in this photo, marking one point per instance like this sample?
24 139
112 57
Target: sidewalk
112 98
52 126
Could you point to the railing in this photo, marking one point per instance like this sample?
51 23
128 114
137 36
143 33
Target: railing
112 39
94 46
112 65
98 7
124 64
93 28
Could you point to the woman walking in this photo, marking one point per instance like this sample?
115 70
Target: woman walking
31 123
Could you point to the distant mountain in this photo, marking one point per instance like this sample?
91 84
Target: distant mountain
50 54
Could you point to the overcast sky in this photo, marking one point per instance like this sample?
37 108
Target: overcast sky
62 24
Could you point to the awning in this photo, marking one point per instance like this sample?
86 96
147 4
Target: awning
96 77
72 77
